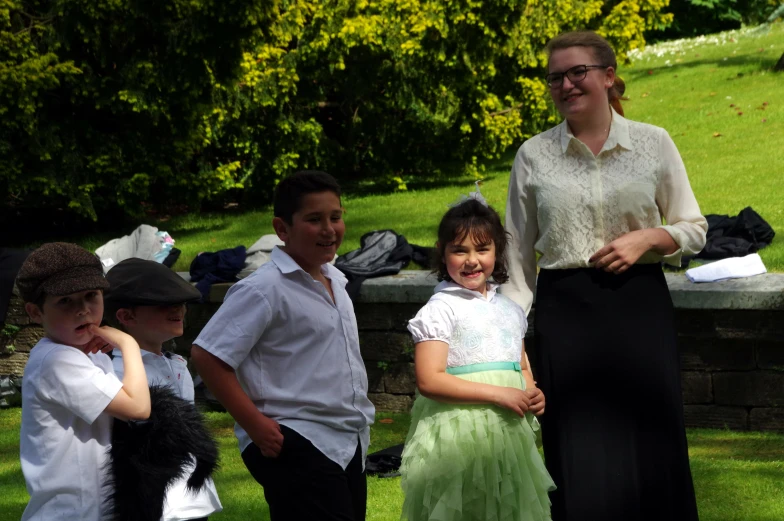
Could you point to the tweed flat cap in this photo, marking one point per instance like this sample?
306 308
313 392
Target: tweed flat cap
142 282
59 268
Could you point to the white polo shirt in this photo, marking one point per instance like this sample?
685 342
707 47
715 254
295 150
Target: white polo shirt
65 433
171 370
296 354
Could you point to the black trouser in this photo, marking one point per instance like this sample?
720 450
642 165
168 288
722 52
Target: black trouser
303 484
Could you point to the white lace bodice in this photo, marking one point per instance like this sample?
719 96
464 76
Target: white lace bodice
477 329
566 203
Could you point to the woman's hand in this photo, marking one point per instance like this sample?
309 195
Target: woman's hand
623 252
516 400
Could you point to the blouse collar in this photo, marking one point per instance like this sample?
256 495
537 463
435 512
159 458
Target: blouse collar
618 136
448 286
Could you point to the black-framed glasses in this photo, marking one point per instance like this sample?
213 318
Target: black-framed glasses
575 74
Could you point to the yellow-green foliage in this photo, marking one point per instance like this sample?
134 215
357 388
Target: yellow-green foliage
102 101
384 90
114 102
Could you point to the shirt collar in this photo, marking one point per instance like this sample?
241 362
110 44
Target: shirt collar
287 265
618 136
448 286
116 353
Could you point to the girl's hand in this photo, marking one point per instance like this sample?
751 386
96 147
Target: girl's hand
537 401
516 400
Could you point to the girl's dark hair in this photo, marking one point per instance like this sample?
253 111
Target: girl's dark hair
482 224
602 52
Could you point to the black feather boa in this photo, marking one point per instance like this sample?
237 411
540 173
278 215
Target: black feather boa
146 457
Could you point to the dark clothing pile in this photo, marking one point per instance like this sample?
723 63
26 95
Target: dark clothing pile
381 252
220 266
736 236
385 463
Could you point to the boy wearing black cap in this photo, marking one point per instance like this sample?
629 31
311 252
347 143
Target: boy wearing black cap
70 392
147 300
282 355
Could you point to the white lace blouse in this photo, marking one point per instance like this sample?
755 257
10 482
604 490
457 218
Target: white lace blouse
566 203
478 329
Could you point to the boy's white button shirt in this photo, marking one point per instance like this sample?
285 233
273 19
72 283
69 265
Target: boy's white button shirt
296 354
65 433
172 371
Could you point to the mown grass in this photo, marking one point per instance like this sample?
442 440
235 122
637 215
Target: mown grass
686 86
724 107
738 476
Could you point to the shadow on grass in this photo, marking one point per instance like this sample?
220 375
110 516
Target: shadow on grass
760 448
762 64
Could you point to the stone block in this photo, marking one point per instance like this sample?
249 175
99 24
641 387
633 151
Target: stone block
385 317
767 419
385 346
400 379
763 292
716 354
375 378
770 355
391 402
697 387
750 324
218 291
749 389
716 417
26 338
15 314
196 318
13 364
695 322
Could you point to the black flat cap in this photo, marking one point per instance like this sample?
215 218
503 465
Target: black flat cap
59 268
138 282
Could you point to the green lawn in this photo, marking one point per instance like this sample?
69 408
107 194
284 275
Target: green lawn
686 86
738 476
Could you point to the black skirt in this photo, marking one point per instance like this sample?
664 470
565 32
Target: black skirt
613 432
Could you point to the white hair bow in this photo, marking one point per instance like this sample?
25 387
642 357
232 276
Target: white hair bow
476 196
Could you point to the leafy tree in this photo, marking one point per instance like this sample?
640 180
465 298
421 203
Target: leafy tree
104 101
183 101
697 17
388 90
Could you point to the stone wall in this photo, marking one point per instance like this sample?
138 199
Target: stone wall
731 343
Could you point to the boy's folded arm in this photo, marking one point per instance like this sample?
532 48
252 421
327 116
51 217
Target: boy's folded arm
221 379
126 407
132 402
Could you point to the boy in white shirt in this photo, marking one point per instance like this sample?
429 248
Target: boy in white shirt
70 393
282 355
147 300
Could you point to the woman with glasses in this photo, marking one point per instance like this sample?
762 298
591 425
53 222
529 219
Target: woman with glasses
591 196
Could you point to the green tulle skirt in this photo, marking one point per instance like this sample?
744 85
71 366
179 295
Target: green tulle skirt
473 462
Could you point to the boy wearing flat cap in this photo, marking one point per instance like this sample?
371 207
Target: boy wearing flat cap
70 393
147 300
